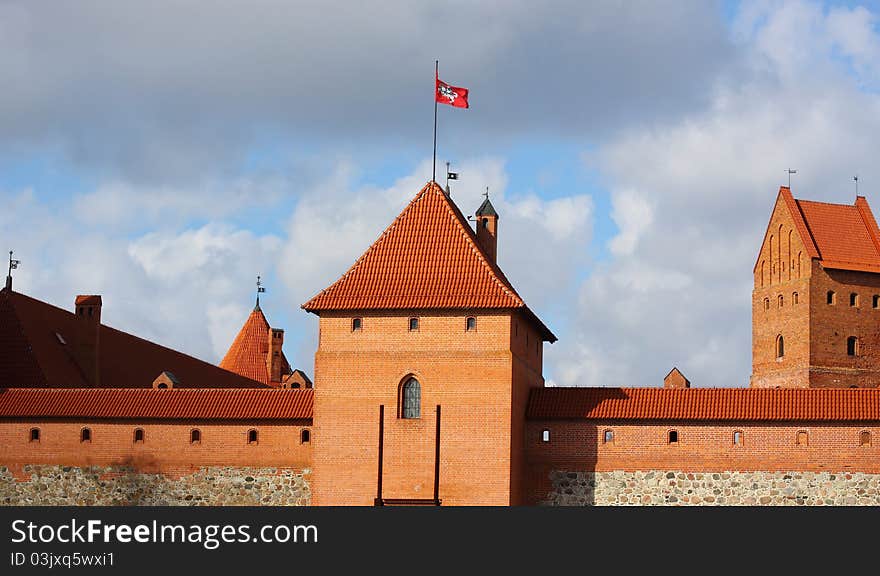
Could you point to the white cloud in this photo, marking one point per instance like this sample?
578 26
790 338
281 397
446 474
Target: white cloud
677 291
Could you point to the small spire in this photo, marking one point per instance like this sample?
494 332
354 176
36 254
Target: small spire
260 289
486 208
13 264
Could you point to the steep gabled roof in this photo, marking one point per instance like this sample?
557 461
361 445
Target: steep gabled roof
247 355
723 404
37 349
136 404
840 236
427 258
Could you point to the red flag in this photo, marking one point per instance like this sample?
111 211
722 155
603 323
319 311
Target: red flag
452 95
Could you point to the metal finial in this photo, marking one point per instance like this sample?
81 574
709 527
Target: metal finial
856 180
13 265
486 193
790 172
260 289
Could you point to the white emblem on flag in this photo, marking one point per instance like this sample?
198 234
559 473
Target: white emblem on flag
447 92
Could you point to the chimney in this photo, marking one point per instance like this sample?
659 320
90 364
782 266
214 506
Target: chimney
88 313
675 379
273 360
487 228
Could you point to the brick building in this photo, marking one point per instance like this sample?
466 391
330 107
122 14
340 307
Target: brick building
816 297
429 390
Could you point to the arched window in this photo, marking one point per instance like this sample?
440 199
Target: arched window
875 301
802 439
738 437
252 436
545 435
85 435
853 299
781 300
766 303
195 436
35 434
470 324
794 297
780 347
305 437
673 437
411 396
852 346
138 435
830 297
864 438
162 386
356 324
413 324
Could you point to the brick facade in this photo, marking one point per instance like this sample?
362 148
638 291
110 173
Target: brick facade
480 377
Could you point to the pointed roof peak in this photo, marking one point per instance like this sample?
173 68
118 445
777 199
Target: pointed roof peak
486 209
247 354
427 258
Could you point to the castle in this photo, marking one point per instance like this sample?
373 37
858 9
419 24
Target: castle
428 390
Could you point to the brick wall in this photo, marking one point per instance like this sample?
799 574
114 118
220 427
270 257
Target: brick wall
703 447
166 447
783 270
470 374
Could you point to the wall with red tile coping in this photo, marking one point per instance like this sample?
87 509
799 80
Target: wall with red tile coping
704 447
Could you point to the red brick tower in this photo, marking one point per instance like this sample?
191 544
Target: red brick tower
423 318
816 297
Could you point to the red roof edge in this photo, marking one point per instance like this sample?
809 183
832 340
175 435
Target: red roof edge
868 219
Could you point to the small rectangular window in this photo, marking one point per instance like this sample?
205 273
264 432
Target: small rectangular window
85 435
139 435
35 434
252 437
470 324
864 438
545 435
195 437
737 438
673 436
802 438
356 324
608 436
413 324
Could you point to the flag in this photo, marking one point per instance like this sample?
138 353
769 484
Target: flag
14 264
452 95
452 175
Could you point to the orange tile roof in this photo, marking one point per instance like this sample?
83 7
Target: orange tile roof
705 404
247 355
37 349
841 236
138 404
427 258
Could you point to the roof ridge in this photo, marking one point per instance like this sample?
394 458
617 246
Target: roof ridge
383 236
471 237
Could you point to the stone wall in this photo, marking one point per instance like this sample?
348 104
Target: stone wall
666 488
47 485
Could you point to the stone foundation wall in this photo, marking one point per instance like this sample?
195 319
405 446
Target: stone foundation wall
46 485
671 488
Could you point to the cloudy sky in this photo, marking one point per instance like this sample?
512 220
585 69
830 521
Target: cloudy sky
165 153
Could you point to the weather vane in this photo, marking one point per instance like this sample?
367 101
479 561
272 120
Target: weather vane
486 193
260 290
856 180
790 172
450 176
13 265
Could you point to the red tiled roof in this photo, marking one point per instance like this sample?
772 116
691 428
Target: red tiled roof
128 403
247 355
841 236
38 349
704 404
427 258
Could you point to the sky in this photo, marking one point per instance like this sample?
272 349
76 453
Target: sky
164 154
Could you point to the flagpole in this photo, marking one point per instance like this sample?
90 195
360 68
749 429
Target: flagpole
436 77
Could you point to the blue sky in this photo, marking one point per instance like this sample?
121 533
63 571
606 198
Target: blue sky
163 155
